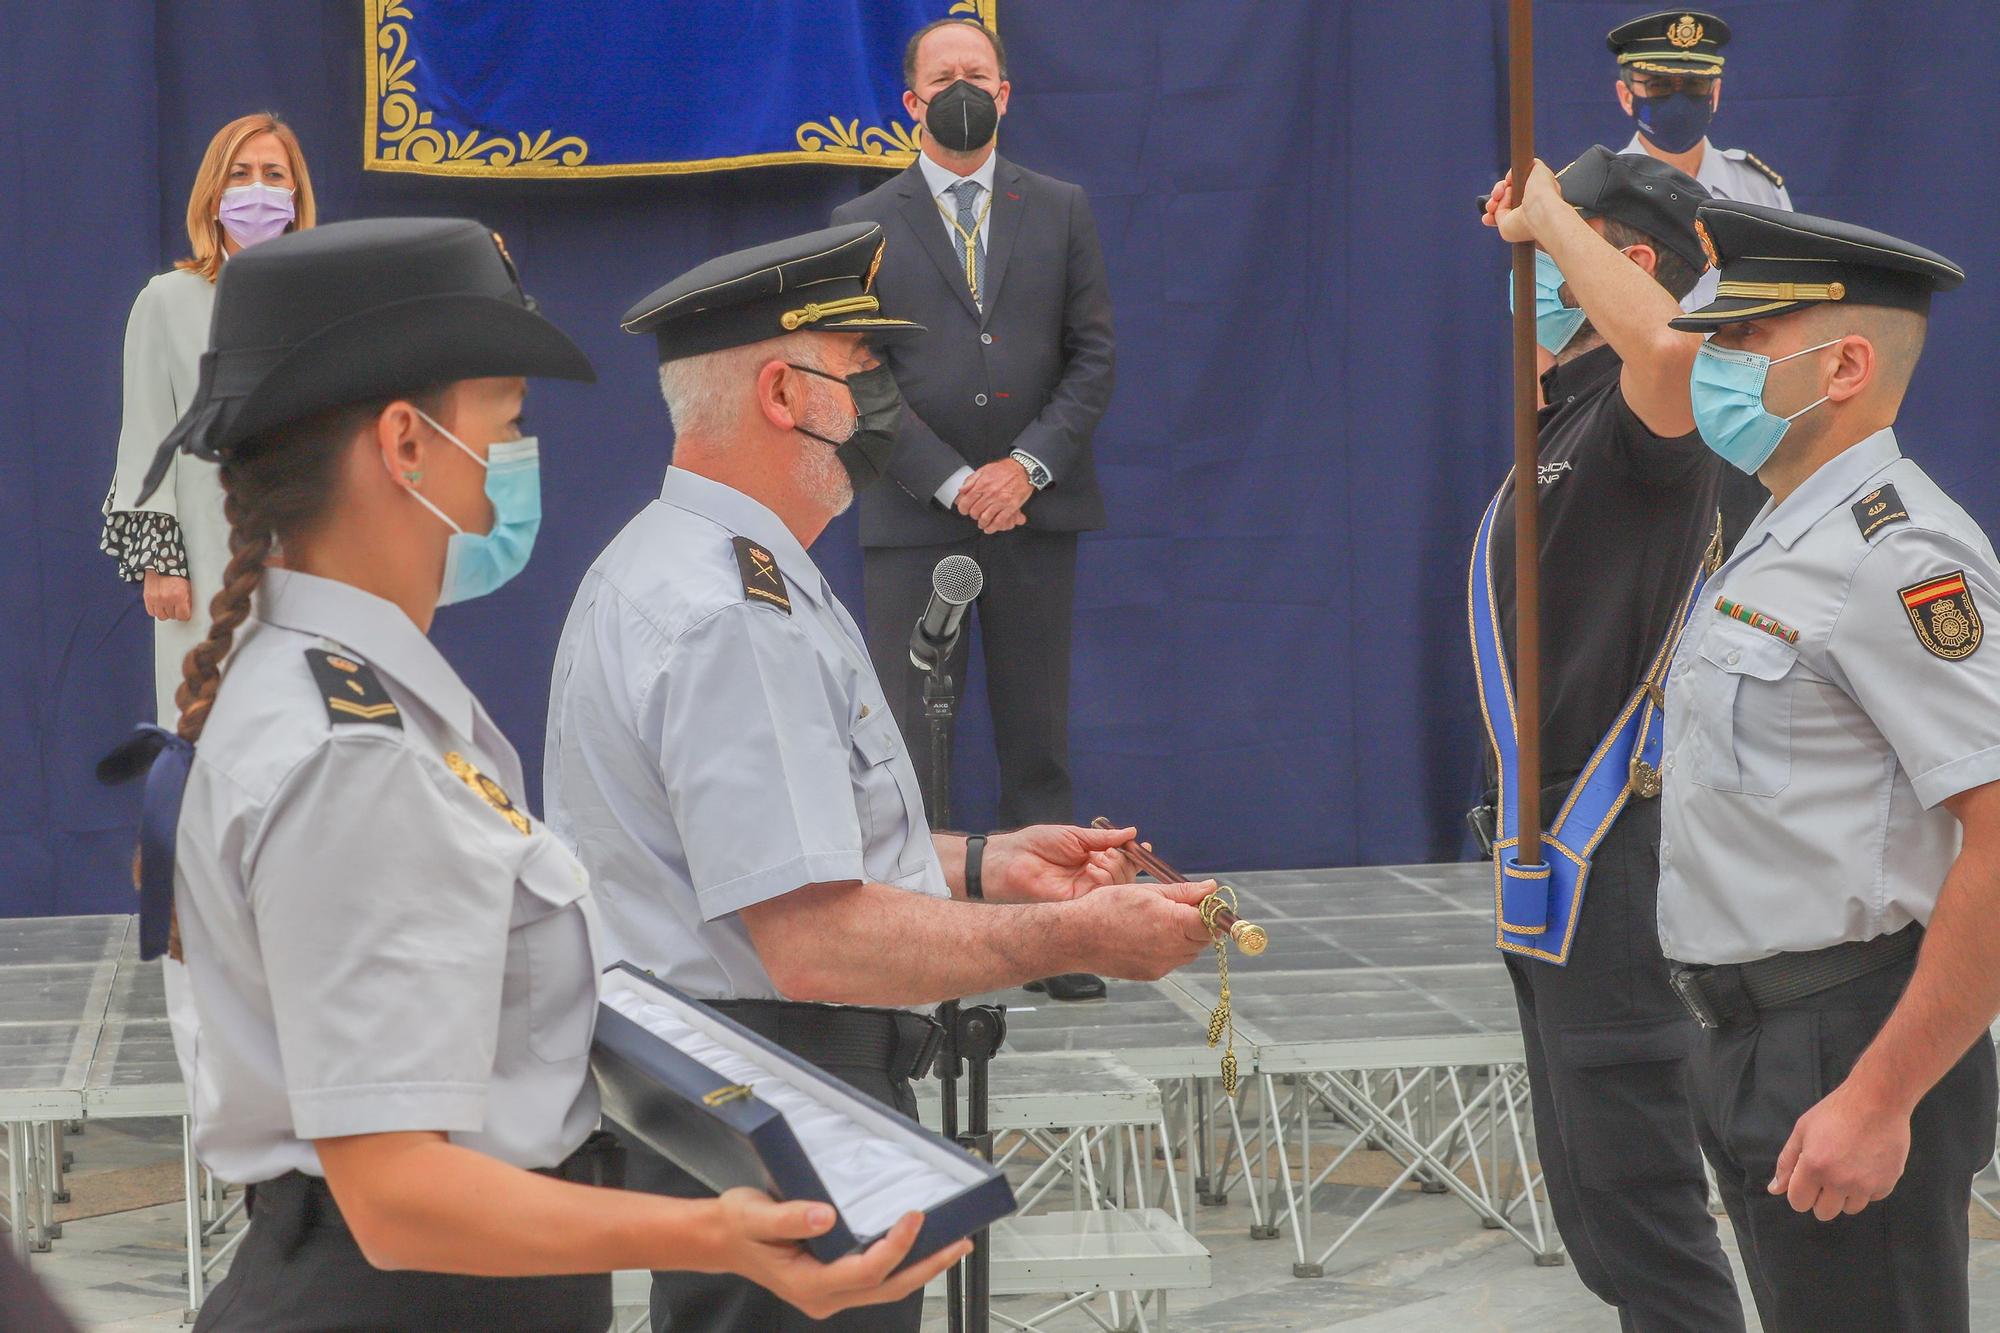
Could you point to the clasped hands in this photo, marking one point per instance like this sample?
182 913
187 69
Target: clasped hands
994 495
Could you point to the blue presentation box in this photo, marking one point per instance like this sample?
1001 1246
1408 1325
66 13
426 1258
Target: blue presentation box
720 1131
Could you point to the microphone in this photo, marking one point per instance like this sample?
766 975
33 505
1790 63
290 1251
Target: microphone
954 584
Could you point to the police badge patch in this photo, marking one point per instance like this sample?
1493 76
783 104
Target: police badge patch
1942 613
1686 34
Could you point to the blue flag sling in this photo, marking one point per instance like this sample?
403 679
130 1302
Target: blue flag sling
1536 908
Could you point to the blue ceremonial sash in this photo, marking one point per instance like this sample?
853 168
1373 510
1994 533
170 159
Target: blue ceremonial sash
1536 907
165 759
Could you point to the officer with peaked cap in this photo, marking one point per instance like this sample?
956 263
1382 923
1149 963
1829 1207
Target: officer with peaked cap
722 756
1827 864
1628 505
1670 84
393 964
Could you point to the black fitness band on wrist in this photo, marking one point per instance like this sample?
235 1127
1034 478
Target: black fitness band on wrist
975 855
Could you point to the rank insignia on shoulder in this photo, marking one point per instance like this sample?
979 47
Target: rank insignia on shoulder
352 691
1764 168
1942 614
1878 509
488 791
762 581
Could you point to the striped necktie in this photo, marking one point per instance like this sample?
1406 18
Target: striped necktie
967 194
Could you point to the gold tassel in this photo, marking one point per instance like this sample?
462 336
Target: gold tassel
1222 1019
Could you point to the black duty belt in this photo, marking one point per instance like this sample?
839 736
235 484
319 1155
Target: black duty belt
296 1203
1734 992
896 1041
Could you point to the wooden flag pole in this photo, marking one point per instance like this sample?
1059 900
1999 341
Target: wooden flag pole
1527 535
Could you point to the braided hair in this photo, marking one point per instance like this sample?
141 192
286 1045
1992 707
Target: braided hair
275 485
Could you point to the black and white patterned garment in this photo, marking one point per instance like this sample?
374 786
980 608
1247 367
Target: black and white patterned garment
140 539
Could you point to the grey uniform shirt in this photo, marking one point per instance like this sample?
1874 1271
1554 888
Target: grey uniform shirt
1831 690
710 747
376 938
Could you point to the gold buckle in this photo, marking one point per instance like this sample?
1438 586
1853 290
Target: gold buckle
1645 779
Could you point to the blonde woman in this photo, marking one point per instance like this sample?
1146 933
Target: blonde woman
252 185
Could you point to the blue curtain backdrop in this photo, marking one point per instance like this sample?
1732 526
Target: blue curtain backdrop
1310 409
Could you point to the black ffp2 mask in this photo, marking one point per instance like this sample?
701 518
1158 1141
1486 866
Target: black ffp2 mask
878 408
964 117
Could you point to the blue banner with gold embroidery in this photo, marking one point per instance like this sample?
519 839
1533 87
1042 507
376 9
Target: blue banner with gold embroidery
530 89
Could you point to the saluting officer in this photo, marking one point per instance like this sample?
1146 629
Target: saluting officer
1628 502
722 755
1828 878
392 962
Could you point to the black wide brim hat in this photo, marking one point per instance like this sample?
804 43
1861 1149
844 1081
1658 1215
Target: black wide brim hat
353 311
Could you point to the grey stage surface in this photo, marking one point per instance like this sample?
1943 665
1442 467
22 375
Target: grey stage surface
1370 967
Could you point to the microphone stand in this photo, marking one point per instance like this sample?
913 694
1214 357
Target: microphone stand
972 1034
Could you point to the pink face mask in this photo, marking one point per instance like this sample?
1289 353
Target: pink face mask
253 213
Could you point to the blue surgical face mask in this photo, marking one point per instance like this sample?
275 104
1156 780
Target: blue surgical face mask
1555 323
1727 387
475 563
1674 122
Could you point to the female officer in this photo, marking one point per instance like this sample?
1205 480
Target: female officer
392 962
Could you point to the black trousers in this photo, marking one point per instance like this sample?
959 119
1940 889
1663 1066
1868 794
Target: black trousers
1024 617
725 1303
1900 1263
299 1271
1607 1044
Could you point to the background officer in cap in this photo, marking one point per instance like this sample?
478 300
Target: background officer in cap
392 963
1628 504
1830 861
1670 84
722 755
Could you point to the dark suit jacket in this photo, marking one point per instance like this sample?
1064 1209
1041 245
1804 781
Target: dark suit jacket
1033 372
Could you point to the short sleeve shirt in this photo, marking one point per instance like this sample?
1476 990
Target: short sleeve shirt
1832 689
378 937
1626 519
717 738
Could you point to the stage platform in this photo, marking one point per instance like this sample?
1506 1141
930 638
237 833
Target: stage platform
1380 1001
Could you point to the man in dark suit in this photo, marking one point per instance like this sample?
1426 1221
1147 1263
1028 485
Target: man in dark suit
993 454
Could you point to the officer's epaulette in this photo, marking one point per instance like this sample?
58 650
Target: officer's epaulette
1877 510
352 691
1760 165
762 581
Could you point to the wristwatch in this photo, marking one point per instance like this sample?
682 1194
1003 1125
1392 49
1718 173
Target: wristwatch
1038 476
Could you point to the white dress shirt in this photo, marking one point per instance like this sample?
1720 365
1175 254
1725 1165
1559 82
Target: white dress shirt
940 182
